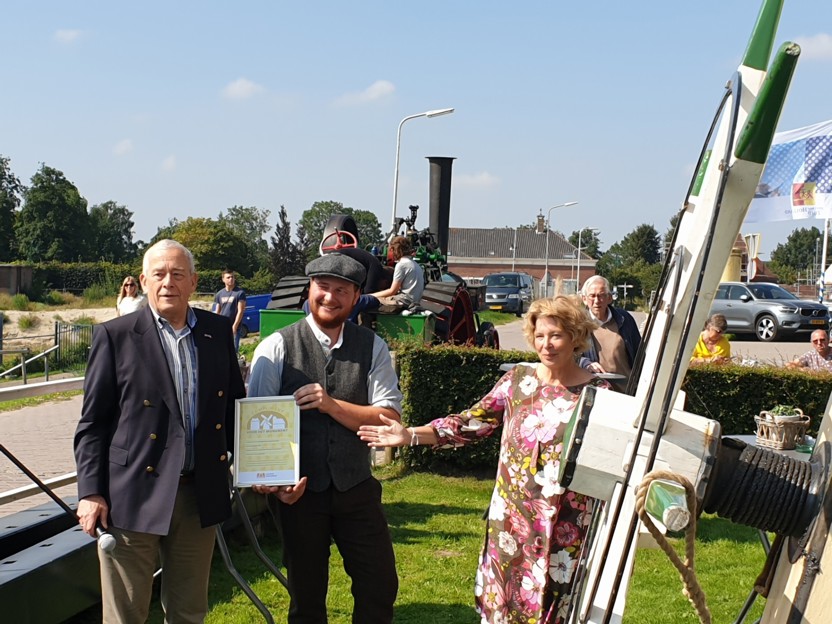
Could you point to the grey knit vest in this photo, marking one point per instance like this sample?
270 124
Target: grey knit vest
330 454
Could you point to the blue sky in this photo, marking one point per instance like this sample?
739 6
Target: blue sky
179 109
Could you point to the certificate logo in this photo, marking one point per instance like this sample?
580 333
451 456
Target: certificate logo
267 421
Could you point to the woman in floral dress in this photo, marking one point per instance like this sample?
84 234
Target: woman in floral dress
536 528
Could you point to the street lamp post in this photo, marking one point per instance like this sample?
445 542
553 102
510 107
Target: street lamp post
428 114
546 269
578 278
514 250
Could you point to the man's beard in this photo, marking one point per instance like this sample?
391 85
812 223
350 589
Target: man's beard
334 323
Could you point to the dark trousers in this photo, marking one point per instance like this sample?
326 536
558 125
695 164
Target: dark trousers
355 521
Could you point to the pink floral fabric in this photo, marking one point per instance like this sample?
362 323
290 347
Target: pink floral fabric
535 528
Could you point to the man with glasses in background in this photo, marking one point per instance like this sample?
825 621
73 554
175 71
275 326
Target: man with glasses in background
819 358
615 343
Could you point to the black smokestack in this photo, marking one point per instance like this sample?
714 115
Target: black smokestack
440 198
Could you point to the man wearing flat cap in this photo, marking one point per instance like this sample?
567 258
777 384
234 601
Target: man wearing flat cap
341 377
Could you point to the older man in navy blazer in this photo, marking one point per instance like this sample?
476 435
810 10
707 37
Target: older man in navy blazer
152 444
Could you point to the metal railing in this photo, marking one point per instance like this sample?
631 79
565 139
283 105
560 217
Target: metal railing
24 363
11 496
71 346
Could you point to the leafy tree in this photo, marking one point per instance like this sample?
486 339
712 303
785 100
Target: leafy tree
667 239
313 221
261 282
641 244
674 221
53 223
610 262
111 232
10 191
251 224
369 228
798 252
590 243
213 244
785 274
164 232
285 256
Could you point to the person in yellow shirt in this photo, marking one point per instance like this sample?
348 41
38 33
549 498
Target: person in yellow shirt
712 347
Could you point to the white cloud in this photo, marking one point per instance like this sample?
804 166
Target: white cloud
125 146
378 90
481 180
67 36
241 89
815 47
169 163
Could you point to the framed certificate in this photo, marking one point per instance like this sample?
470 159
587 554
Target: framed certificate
266 441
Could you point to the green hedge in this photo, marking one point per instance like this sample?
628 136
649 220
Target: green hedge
733 395
76 277
442 380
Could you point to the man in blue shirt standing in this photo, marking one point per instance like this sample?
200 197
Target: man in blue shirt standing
231 303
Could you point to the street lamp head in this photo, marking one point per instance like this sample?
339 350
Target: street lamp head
564 205
438 112
428 114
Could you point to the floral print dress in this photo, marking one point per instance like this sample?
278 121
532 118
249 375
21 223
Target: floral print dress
535 528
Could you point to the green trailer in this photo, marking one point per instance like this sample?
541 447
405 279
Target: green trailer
416 327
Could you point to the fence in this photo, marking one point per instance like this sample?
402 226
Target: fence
73 342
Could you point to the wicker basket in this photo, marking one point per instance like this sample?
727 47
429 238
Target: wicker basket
779 432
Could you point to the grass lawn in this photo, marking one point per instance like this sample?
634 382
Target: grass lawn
437 529
8 406
498 318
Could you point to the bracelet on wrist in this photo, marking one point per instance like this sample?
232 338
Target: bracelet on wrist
414 437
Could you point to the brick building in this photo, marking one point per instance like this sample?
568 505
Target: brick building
476 252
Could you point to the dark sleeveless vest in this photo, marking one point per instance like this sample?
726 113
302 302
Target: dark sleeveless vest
330 454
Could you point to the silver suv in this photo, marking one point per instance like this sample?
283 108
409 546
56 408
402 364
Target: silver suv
508 292
767 310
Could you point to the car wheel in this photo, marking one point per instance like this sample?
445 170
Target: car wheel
243 331
766 328
519 312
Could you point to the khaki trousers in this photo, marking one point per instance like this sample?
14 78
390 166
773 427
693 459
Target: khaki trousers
185 556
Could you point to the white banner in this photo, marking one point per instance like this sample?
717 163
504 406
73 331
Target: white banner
797 180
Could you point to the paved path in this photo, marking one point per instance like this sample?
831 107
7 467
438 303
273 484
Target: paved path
41 438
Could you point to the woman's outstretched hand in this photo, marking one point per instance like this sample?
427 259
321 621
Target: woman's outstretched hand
391 433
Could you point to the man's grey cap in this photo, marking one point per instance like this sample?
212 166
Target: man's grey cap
337 265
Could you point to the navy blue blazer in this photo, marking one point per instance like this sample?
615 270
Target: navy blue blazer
130 441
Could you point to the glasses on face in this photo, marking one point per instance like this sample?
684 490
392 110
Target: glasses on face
129 285
598 296
818 341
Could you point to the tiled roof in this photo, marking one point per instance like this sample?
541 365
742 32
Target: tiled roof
498 242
